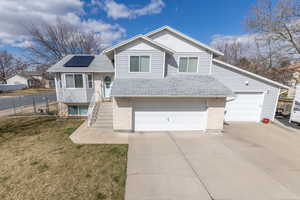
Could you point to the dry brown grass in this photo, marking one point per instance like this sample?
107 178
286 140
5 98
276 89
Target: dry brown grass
27 91
38 161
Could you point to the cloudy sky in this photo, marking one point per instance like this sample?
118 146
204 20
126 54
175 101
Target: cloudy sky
115 20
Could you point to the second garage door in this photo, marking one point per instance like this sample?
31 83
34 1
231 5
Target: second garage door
245 107
173 116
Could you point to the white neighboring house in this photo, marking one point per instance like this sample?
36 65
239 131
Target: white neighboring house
163 80
28 78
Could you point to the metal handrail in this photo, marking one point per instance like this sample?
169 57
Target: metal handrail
91 109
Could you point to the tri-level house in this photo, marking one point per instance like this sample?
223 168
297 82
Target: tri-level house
163 80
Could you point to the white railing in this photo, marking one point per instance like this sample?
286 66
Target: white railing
91 110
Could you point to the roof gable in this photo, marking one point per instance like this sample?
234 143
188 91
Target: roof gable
185 37
139 37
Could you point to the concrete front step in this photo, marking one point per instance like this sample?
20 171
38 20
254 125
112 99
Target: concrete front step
103 123
102 127
103 115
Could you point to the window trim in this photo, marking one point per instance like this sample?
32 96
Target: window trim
139 62
78 105
178 61
65 81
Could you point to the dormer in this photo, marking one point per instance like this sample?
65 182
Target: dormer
139 57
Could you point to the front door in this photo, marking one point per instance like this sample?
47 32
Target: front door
107 86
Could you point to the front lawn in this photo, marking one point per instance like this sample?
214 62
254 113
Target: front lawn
38 161
27 91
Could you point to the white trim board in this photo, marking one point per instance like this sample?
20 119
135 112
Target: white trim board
251 74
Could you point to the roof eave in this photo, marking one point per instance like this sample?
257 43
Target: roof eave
175 96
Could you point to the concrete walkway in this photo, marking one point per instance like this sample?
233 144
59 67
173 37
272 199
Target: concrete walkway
177 166
88 135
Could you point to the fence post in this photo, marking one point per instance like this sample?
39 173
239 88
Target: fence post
33 104
47 105
14 106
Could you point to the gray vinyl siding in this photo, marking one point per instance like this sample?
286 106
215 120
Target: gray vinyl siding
156 64
74 95
78 95
204 62
235 80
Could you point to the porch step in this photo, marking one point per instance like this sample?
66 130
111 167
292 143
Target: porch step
104 116
107 99
104 121
108 127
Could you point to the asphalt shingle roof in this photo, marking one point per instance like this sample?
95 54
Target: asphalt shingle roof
101 63
172 86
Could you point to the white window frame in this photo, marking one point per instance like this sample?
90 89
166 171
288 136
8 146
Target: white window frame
78 105
178 62
83 80
87 80
129 57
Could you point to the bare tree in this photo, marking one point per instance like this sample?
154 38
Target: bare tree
10 65
51 42
233 51
264 58
278 21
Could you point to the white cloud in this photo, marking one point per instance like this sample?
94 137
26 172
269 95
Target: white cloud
118 10
253 45
15 13
221 39
247 41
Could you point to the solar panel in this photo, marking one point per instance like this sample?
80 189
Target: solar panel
79 61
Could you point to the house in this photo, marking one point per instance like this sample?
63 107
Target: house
31 79
163 80
295 79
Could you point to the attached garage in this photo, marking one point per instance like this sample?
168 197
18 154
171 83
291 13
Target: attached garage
169 104
256 96
246 106
170 115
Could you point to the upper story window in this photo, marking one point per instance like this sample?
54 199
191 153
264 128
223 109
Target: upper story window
74 80
188 64
139 64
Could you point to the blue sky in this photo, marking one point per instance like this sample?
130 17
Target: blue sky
199 18
116 20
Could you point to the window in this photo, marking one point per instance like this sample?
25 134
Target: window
74 81
188 64
139 63
80 110
90 80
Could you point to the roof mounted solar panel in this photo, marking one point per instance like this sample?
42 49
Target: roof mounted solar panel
79 61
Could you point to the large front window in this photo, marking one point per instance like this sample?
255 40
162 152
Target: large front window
139 63
188 64
74 81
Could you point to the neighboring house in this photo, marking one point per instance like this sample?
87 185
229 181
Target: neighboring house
295 79
163 80
31 79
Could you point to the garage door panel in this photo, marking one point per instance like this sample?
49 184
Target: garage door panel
162 116
245 107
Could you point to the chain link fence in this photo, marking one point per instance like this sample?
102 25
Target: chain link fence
33 103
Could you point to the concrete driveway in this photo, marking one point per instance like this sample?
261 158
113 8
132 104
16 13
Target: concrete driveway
249 161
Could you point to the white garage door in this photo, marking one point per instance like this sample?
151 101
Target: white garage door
245 107
176 116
